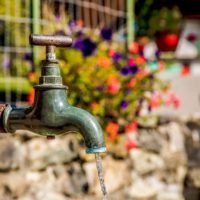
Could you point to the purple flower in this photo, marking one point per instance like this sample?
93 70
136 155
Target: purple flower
71 24
86 46
125 71
116 56
106 34
157 54
6 63
141 53
124 104
28 57
57 18
133 69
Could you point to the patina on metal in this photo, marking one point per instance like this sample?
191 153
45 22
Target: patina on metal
2 108
51 114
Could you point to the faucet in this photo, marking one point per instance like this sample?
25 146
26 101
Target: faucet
51 114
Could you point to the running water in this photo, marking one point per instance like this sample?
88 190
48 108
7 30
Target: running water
101 178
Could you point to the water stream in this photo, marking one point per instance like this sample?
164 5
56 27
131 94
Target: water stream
101 178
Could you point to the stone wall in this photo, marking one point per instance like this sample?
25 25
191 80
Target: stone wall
34 168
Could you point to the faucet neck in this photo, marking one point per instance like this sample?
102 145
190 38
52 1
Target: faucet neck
50 75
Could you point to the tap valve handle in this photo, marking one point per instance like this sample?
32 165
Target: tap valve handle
50 41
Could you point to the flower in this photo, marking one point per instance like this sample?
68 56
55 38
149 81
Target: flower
134 48
124 71
32 77
176 102
28 57
185 71
104 62
131 83
155 100
94 105
131 62
31 97
113 85
71 24
106 34
157 54
112 129
79 23
86 46
134 69
131 144
132 127
139 60
124 104
116 57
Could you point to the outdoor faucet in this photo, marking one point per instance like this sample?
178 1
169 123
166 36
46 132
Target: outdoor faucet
51 113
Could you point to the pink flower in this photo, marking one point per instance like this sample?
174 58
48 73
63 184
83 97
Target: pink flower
155 100
113 85
131 62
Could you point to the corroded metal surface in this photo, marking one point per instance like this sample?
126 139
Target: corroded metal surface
51 114
50 40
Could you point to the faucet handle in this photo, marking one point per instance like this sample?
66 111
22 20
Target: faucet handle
50 40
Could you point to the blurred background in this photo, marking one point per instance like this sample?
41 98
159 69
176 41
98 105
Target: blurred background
135 65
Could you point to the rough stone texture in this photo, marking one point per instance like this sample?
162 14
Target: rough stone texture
43 152
115 173
10 154
144 162
34 168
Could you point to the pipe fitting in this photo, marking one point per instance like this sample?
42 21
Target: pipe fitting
2 109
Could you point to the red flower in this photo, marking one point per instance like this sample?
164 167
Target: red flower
111 52
132 127
112 130
131 83
134 48
185 70
31 97
131 144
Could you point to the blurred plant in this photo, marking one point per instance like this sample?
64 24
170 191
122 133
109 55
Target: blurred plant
118 89
152 19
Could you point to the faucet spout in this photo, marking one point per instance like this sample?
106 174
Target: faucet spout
52 115
87 125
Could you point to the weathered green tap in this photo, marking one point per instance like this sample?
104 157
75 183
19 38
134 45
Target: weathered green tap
51 114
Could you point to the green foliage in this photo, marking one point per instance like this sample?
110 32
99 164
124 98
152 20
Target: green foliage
98 84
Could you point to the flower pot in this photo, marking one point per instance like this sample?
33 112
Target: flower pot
167 41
